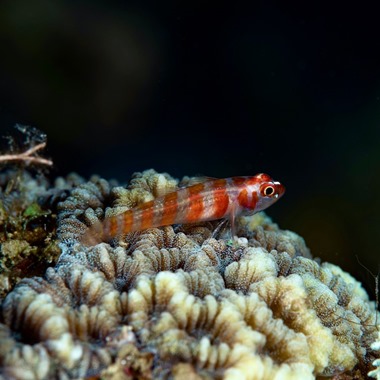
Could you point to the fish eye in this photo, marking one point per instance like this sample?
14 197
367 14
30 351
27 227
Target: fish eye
269 191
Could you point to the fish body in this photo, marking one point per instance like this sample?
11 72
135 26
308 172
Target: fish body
209 200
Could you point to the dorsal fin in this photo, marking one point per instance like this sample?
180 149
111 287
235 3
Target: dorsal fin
189 181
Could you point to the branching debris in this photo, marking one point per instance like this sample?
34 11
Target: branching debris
28 156
35 141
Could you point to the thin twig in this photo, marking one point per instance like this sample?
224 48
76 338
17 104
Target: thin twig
27 156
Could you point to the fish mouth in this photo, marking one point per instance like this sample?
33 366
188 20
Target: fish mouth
280 189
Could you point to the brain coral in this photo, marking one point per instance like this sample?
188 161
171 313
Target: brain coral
181 302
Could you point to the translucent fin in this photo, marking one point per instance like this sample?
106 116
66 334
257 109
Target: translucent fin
189 181
218 229
93 235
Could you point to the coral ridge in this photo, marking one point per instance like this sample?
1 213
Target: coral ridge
179 302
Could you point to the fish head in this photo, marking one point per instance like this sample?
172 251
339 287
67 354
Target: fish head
268 192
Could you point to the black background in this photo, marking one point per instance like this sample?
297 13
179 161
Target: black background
221 89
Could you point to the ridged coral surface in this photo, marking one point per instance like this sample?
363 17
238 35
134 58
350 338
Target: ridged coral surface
183 302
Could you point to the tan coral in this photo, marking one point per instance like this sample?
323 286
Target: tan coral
375 373
59 325
93 323
77 360
182 321
24 362
118 268
255 265
287 298
148 256
36 360
293 298
143 187
73 212
265 234
213 333
337 300
90 288
182 302
202 282
34 316
157 183
164 237
129 361
289 352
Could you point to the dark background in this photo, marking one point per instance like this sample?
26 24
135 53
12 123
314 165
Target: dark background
288 88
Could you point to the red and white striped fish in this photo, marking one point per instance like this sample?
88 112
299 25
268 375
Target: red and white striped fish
209 200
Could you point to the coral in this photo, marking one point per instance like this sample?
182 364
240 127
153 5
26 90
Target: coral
376 363
28 225
181 301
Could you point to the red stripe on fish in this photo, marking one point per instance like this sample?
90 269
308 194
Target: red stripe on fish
222 198
210 200
147 216
169 209
125 223
248 199
196 205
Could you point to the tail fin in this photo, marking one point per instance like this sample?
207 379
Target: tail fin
93 235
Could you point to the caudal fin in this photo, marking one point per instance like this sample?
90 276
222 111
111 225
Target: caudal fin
93 235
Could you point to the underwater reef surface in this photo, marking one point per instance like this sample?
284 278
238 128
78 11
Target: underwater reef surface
178 302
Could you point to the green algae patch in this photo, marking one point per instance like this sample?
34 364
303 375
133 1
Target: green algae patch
28 243
34 210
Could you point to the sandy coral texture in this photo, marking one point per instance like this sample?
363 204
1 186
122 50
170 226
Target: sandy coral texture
182 302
